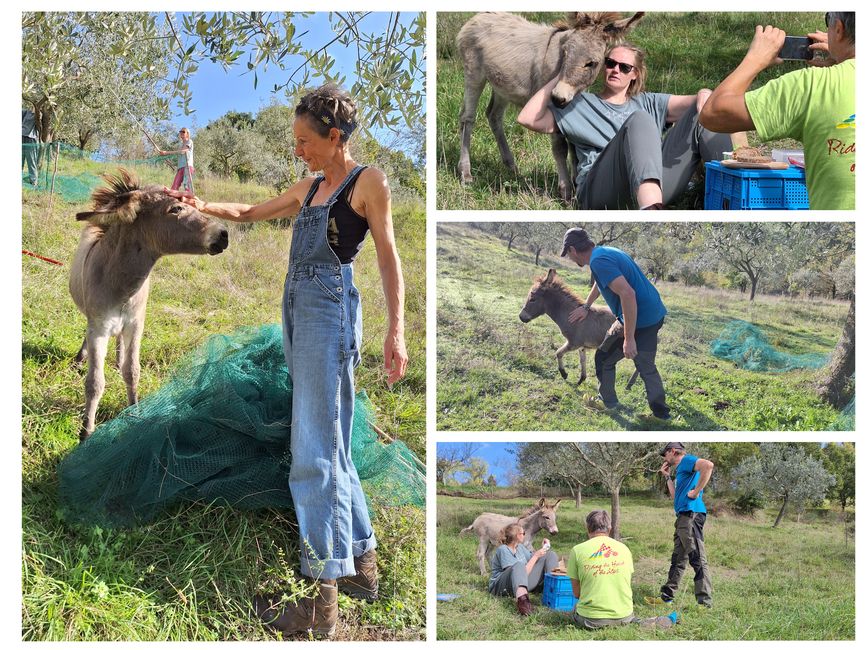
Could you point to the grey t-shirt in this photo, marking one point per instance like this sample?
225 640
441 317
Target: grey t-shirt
589 123
186 159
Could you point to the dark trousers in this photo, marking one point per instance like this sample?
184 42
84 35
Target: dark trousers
638 154
517 576
646 340
29 156
689 547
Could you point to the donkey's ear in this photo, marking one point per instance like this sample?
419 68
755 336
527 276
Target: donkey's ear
616 30
541 502
556 505
550 276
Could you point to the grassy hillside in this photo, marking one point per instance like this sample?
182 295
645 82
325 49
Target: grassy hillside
496 373
796 581
685 52
190 575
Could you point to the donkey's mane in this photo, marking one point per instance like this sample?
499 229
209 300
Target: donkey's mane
119 184
562 289
586 19
532 510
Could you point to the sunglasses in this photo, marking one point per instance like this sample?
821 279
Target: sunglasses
625 68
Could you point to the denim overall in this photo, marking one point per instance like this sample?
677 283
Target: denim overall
321 341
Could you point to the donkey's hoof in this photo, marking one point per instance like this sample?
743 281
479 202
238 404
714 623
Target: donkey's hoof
466 178
563 373
83 435
581 381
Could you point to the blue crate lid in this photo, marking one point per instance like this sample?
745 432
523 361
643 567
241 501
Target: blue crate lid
791 172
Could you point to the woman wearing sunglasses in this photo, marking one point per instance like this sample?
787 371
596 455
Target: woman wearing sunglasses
623 159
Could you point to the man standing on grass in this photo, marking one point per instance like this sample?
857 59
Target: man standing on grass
635 302
601 573
691 476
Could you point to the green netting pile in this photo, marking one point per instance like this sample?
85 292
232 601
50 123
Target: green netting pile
846 420
71 186
216 431
748 347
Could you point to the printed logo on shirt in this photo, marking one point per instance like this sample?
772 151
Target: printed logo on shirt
848 123
604 551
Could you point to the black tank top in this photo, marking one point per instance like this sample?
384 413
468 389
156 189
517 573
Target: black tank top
346 228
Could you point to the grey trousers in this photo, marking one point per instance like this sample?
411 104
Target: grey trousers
516 576
638 153
660 622
647 340
689 547
29 156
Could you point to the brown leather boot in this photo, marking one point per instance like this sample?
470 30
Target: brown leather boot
364 584
314 614
525 607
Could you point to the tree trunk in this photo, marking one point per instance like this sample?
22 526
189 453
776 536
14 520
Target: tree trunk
754 280
833 388
615 513
538 251
782 511
578 497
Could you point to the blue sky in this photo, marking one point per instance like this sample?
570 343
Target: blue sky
498 459
216 91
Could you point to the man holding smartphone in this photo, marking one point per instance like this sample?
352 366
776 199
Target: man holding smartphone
815 105
691 476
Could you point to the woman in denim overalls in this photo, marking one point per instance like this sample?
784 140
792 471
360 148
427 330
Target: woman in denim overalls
322 337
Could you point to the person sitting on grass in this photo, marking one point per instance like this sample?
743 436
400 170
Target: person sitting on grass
601 573
516 570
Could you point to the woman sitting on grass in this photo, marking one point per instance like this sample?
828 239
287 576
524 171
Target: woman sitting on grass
623 161
516 571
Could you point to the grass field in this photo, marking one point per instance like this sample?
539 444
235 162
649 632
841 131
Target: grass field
677 46
796 581
495 373
191 575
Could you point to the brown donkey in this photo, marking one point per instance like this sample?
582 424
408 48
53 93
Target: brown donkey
550 295
517 57
128 230
540 516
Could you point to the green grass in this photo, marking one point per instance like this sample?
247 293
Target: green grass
496 373
796 581
685 52
191 575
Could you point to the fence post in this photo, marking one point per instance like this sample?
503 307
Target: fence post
53 176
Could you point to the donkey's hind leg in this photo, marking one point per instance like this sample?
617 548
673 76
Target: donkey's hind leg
474 83
81 357
495 112
583 356
481 552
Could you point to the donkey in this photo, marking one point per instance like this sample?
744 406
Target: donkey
550 295
518 57
488 525
128 230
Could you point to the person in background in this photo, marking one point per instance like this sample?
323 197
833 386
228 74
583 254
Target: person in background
29 146
185 169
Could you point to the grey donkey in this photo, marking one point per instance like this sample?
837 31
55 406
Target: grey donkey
550 295
128 230
540 516
518 57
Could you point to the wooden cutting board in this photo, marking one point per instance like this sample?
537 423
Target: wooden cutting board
737 164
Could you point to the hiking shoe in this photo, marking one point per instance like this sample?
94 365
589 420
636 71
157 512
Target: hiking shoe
316 615
525 607
595 402
656 600
364 585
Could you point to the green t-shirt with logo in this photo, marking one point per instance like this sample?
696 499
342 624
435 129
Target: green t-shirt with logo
817 107
603 568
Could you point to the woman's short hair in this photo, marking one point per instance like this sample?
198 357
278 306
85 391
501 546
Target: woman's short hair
636 86
510 533
328 107
598 521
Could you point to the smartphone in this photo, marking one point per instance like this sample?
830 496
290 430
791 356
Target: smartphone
796 48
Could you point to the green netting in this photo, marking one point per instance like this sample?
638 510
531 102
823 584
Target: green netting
748 347
75 187
216 431
846 420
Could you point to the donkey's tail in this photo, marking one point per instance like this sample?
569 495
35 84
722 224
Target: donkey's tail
467 529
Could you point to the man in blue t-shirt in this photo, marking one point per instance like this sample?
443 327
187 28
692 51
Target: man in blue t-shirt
635 302
691 477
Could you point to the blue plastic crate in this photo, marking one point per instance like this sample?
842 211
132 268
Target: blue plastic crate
557 593
754 189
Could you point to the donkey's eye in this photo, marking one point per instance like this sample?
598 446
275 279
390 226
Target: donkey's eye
590 64
176 209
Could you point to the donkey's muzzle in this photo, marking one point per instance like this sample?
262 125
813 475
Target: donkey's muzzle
221 243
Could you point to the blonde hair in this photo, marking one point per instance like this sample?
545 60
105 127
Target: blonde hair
510 533
636 86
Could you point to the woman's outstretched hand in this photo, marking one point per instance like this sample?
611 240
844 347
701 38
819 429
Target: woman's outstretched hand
185 196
